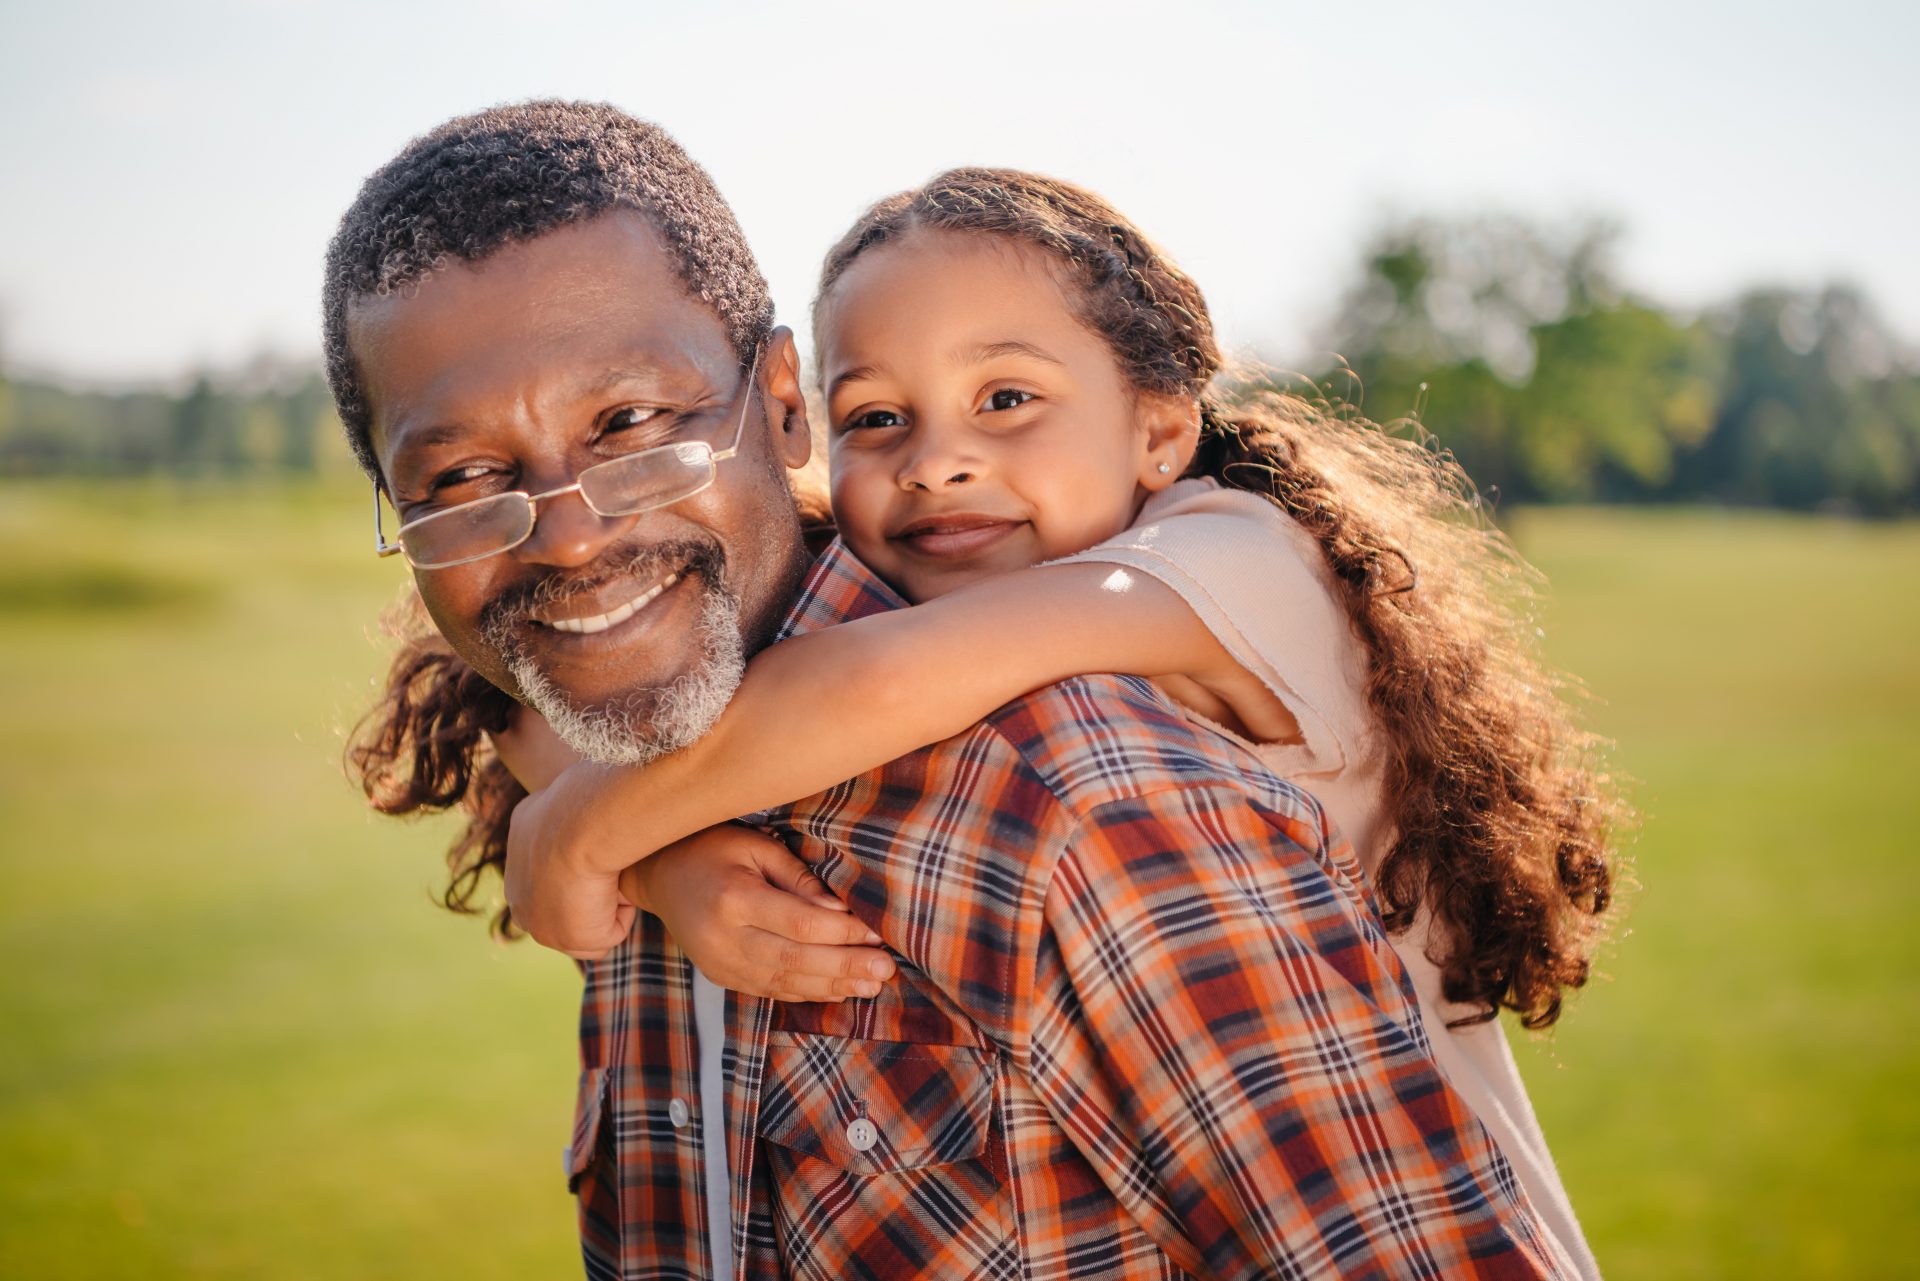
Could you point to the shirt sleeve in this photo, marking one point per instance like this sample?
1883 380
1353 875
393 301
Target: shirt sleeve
1220 1026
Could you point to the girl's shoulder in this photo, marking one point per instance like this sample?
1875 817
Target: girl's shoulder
1262 585
1244 554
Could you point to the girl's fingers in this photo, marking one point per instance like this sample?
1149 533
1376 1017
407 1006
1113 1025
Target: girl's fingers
792 914
789 971
804 922
782 868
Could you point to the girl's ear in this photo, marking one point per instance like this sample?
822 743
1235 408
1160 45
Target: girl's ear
1169 432
786 402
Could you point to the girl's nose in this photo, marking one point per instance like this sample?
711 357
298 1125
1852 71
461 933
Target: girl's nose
938 460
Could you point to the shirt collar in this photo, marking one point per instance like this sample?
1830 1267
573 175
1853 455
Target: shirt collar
838 589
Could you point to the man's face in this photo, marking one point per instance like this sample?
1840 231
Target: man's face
518 372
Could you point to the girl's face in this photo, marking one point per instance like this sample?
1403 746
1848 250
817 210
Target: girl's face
976 425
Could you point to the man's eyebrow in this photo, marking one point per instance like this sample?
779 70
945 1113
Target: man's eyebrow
432 436
674 380
1006 347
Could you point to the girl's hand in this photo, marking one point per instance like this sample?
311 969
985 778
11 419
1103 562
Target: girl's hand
755 919
557 897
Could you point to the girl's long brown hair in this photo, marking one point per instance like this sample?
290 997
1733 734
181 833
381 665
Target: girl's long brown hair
1500 809
423 748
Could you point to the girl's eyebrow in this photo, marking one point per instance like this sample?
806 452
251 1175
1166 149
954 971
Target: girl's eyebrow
1007 347
859 373
972 354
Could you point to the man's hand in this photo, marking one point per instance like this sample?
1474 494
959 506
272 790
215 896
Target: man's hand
557 899
755 919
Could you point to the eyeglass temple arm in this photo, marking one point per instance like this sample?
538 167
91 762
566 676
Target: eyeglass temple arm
753 369
381 547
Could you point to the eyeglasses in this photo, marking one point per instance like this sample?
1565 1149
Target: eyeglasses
624 486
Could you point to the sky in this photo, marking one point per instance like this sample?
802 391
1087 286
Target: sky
170 174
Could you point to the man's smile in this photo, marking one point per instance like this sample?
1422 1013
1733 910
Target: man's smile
589 624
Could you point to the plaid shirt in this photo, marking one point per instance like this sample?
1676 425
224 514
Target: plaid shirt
1146 1025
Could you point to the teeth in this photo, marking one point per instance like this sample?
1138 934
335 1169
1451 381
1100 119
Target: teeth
613 617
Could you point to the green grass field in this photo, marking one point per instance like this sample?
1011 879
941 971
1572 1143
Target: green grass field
238 1041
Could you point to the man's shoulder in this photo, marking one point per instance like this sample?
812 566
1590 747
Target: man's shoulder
1051 759
1093 741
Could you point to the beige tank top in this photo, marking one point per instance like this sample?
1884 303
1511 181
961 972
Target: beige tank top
1261 585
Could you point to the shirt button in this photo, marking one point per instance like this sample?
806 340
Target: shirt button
862 1134
677 1113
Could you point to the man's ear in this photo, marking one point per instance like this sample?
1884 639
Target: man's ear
1169 432
786 403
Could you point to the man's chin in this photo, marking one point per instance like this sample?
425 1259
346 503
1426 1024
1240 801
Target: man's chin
638 725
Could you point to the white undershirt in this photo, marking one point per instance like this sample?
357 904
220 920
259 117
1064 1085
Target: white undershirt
710 1034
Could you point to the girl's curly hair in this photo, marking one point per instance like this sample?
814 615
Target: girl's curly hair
1501 809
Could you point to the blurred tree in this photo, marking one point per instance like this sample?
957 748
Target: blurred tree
1519 350
1818 406
309 412
194 427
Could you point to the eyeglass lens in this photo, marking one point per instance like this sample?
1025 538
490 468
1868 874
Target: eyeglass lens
639 482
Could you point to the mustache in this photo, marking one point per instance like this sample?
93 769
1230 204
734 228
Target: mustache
515 605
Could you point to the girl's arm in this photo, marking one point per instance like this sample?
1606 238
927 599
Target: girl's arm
824 707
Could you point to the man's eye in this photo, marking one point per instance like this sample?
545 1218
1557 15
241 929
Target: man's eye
456 480
874 418
633 416
1008 398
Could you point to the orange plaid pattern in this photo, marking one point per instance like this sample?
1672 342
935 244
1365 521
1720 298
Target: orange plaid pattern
1146 1026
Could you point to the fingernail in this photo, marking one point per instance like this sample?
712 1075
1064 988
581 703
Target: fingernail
867 989
873 940
880 969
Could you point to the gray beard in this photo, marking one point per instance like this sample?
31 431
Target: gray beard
648 723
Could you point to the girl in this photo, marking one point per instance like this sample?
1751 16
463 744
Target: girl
1026 445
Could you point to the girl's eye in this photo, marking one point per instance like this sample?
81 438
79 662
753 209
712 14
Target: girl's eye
1008 398
874 418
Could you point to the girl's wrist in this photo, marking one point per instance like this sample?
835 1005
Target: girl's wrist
634 888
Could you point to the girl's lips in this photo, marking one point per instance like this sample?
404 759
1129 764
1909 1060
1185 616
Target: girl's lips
958 538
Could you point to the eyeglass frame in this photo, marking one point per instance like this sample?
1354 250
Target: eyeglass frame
383 548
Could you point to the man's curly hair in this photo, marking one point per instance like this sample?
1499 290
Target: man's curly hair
509 174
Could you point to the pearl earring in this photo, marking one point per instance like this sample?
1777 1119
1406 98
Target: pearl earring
1165 468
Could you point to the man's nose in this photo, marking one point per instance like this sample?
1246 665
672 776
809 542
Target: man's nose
940 456
567 533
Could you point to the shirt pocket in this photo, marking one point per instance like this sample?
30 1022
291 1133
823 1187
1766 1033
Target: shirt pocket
877 1107
883 1159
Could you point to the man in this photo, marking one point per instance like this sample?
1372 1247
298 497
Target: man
1144 1025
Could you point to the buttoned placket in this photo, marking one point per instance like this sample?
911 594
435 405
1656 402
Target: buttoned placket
748 1020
